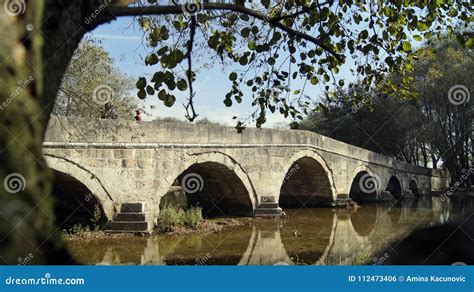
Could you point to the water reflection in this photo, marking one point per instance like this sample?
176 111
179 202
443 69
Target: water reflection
308 236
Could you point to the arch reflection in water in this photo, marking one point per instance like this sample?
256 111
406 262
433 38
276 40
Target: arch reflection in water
309 236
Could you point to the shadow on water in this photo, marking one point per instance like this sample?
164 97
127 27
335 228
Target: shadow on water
320 236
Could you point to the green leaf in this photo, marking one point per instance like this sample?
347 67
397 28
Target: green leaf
141 94
169 100
407 46
233 76
228 102
245 32
150 90
421 26
243 60
182 85
417 38
252 46
470 43
294 125
364 34
141 83
162 95
145 23
151 59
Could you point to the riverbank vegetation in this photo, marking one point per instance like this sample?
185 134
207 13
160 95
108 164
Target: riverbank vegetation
171 218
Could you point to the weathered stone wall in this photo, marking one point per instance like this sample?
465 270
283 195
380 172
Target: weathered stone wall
440 180
126 161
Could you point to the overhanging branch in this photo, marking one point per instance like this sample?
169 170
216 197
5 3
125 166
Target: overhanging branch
118 11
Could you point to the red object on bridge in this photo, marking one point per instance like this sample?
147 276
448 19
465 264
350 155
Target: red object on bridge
138 118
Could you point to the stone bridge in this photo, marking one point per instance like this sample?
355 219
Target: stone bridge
224 172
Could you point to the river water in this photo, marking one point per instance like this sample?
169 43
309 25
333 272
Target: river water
320 236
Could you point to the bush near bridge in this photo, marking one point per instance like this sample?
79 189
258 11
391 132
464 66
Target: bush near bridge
171 218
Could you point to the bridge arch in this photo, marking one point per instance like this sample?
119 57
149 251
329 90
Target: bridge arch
413 186
365 184
394 186
297 189
65 168
215 181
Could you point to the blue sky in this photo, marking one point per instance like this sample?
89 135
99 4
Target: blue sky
122 38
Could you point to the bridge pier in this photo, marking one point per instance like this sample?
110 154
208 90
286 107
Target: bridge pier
267 207
132 218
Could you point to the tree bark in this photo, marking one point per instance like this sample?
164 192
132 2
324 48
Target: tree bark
34 55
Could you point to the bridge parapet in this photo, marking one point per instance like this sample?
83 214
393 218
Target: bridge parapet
80 130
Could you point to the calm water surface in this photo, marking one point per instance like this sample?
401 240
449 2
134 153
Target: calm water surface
308 236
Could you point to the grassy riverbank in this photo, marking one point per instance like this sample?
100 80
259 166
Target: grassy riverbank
170 221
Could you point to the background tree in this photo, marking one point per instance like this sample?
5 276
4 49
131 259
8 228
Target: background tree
90 81
444 81
436 127
385 126
39 38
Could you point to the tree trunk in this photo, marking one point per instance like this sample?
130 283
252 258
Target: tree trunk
34 55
